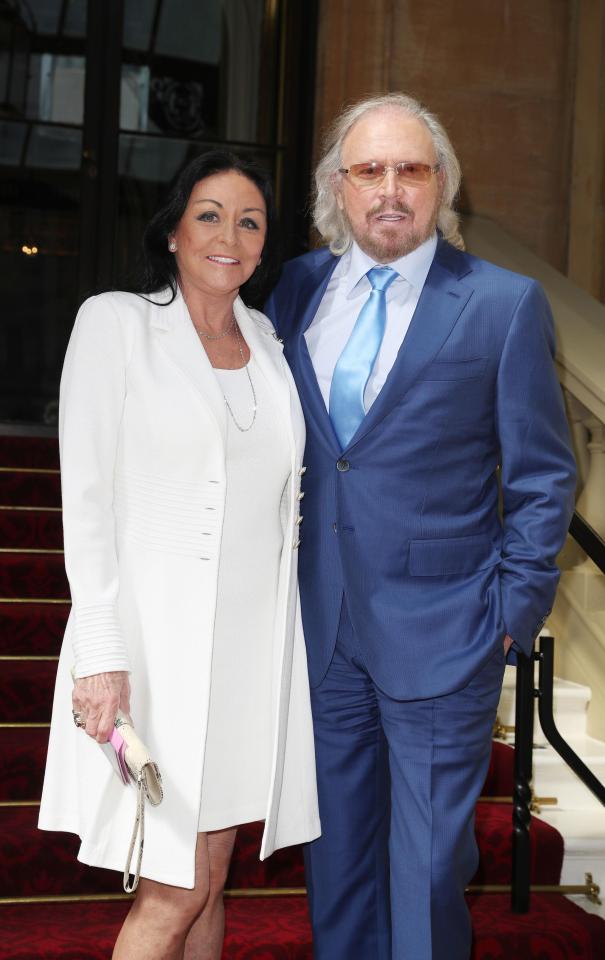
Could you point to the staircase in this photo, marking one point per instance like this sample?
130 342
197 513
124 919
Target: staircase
564 802
53 907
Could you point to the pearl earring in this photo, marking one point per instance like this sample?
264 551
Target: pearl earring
172 246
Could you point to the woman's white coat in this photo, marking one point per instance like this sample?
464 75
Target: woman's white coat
142 436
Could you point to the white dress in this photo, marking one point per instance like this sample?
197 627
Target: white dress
237 762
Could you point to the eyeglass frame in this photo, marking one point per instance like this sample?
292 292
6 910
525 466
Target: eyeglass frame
344 171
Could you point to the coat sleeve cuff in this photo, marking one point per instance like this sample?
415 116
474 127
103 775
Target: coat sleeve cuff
97 641
523 640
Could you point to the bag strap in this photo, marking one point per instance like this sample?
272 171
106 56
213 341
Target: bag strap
138 829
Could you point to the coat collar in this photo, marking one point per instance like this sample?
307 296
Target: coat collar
178 339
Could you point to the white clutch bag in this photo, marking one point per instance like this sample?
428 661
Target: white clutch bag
131 760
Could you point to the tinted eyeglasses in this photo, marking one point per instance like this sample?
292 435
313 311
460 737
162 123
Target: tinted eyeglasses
371 173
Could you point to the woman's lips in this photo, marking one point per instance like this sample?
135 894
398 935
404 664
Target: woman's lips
224 261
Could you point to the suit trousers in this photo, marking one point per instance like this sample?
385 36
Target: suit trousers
398 782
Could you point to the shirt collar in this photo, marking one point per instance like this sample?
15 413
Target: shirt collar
413 267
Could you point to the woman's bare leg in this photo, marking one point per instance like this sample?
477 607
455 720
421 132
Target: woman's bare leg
161 916
205 938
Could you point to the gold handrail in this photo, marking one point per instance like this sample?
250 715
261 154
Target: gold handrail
51 470
34 600
589 888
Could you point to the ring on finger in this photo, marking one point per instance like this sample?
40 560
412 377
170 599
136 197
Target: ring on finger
79 720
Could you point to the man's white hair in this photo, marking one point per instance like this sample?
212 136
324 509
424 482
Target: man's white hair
327 215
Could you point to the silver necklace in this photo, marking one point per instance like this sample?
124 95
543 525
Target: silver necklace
254 405
221 336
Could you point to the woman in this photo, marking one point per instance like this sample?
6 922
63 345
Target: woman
181 441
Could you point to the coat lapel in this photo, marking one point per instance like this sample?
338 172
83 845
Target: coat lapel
267 351
177 338
441 302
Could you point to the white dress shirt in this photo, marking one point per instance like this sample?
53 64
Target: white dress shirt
346 293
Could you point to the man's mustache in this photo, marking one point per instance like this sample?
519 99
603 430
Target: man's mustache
389 206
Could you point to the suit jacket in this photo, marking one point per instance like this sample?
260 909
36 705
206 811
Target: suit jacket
142 435
405 521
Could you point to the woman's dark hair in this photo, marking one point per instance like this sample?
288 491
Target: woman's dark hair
158 267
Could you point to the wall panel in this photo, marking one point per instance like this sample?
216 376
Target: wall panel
500 75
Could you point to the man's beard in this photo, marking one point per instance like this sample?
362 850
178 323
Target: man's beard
395 244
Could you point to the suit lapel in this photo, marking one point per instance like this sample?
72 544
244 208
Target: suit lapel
441 302
309 298
177 338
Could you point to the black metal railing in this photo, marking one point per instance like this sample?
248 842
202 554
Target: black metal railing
526 693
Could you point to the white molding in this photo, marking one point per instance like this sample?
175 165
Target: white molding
579 318
580 653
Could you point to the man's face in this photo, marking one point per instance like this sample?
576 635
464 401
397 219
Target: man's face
389 219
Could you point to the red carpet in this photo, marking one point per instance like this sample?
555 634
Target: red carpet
33 627
263 927
277 928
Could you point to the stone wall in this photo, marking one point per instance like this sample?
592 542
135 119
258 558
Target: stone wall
502 76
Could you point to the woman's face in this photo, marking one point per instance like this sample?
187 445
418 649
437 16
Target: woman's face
221 235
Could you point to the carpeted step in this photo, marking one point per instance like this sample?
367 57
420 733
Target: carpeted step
267 928
40 862
30 489
493 829
554 929
284 868
500 780
35 575
28 629
22 759
60 931
43 862
42 452
277 928
33 528
26 690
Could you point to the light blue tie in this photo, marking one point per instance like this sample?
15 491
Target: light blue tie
354 365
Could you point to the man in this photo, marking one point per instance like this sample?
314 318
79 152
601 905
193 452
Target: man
421 370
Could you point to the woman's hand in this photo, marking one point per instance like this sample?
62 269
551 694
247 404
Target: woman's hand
98 698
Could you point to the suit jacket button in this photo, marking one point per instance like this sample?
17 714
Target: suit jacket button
342 465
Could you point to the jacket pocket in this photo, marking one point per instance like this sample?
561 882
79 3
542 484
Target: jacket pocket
452 555
455 369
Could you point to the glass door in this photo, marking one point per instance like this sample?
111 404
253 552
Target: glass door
102 102
42 79
190 83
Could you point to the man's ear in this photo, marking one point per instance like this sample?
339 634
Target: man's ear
441 178
335 182
338 194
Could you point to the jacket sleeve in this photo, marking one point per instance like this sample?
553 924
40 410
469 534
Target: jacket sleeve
92 396
538 469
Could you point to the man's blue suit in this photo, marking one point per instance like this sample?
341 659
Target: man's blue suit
405 525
